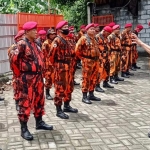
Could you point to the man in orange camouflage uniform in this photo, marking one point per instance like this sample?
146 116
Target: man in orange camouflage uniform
13 47
61 56
49 69
80 34
87 50
126 58
104 64
28 59
134 47
72 40
115 52
42 37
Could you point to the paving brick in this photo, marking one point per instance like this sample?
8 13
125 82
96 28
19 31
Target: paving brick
100 126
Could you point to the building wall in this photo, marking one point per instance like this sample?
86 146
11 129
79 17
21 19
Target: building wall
122 16
8 28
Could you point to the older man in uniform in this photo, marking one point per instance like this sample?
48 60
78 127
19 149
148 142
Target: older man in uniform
115 53
49 69
104 64
87 50
126 43
61 58
27 60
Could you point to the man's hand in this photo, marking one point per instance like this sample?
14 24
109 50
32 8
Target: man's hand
135 39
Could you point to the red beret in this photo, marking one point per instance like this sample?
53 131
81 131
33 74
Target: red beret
117 26
139 26
111 24
108 29
41 32
61 24
82 26
128 25
89 26
96 25
19 34
30 25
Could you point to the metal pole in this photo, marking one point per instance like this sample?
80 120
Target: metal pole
49 6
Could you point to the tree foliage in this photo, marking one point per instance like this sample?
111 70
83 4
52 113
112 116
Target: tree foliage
75 11
29 6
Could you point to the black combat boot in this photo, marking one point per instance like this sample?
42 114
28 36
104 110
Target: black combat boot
112 80
48 96
107 85
136 67
129 73
85 98
25 132
133 67
123 74
17 105
118 78
149 134
1 98
60 113
75 83
41 125
68 108
99 89
92 97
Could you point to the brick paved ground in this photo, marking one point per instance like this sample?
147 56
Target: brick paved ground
119 122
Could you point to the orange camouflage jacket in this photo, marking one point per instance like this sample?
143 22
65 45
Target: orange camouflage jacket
87 47
114 42
102 42
27 57
46 50
60 53
126 41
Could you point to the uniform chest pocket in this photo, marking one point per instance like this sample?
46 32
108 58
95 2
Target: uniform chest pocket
29 55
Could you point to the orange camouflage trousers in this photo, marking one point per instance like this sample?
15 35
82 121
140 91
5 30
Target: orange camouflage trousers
114 63
49 77
89 74
31 96
126 60
134 54
63 82
104 67
15 89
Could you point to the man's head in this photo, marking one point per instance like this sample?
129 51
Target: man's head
19 35
63 28
128 27
51 34
139 27
107 31
90 29
97 29
116 29
71 32
42 34
82 28
30 30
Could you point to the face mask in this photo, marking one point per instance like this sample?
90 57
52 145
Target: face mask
65 31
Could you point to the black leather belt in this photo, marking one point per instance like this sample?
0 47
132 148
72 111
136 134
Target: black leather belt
63 61
31 72
92 58
126 45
